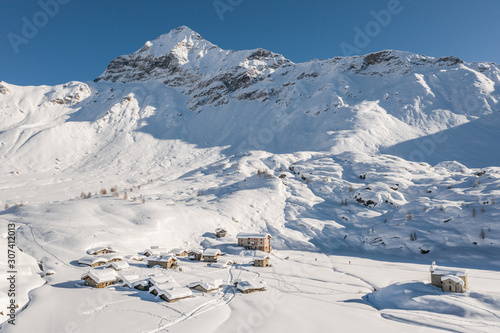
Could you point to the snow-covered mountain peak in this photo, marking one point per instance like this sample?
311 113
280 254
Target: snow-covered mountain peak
183 53
179 41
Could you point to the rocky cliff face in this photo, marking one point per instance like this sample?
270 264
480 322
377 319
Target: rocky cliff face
182 58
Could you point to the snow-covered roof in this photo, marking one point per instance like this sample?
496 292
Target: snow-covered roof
211 252
247 285
128 280
134 257
454 278
99 248
196 251
435 269
252 235
260 256
448 271
142 282
101 275
118 264
90 260
220 264
166 285
177 250
206 285
219 229
162 288
112 256
159 279
133 280
154 250
176 293
164 257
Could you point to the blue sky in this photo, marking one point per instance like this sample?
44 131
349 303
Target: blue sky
79 39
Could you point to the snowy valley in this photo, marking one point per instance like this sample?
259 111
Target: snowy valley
363 170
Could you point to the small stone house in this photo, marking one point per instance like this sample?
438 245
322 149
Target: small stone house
100 278
112 257
205 287
262 261
100 250
195 255
153 251
220 265
167 262
211 255
158 288
255 241
118 265
134 281
156 280
179 252
92 261
135 257
176 294
449 279
247 287
220 232
452 283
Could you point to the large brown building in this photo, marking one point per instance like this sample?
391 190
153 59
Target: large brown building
252 241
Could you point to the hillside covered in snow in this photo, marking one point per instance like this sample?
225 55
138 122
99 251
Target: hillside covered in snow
391 154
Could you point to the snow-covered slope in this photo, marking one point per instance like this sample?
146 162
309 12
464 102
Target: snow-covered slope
390 153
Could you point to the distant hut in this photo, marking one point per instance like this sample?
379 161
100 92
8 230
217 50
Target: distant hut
261 261
95 251
134 281
220 265
211 255
128 280
135 257
153 251
220 232
449 279
165 261
179 252
162 284
112 257
118 265
92 261
195 255
156 280
100 278
247 287
142 285
205 287
176 294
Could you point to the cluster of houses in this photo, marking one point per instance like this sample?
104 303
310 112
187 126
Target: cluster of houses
169 290
164 286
